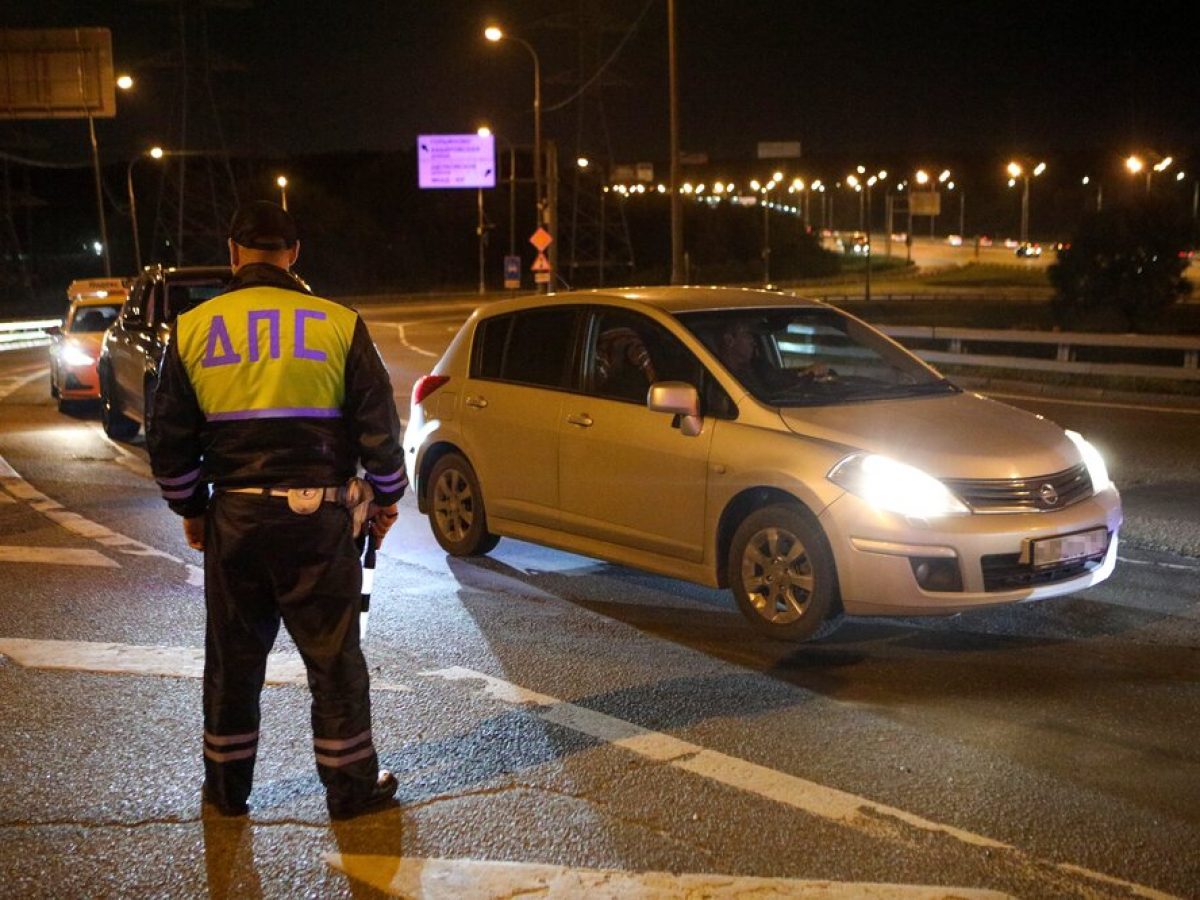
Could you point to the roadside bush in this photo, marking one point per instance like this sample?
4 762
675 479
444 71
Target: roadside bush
1124 265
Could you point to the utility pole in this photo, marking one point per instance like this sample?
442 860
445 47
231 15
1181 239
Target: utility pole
677 267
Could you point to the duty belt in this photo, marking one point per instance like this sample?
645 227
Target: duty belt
356 495
328 495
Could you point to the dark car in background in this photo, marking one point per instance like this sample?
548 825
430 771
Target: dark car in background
133 347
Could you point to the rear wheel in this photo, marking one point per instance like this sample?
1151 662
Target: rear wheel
456 513
117 425
782 574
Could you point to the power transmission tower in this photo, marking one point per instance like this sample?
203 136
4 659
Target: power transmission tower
596 238
198 193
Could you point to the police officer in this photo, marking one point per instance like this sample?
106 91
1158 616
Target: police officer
274 397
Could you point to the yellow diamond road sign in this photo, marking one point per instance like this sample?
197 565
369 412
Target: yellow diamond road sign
541 240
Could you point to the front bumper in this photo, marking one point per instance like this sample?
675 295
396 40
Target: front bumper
875 553
78 382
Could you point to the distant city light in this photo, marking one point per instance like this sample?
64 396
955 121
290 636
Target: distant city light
97 247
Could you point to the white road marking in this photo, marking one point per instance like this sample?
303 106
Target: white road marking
21 489
1158 565
404 340
16 382
60 556
134 659
1106 404
478 879
849 810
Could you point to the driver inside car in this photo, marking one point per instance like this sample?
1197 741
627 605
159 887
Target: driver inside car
738 350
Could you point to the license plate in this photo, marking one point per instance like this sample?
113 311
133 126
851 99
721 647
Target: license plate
1068 547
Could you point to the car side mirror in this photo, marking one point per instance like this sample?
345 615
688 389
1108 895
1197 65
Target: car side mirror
680 399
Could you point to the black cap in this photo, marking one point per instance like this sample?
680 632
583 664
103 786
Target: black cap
263 225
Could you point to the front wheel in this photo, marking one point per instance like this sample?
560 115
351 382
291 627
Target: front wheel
783 576
456 513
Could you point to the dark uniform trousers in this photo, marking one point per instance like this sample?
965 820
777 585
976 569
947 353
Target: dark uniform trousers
264 563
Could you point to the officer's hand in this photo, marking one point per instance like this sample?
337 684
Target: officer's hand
193 530
381 519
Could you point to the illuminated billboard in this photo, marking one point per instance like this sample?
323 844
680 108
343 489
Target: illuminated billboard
456 160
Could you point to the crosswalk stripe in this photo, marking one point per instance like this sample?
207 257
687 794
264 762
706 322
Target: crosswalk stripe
479 879
138 659
61 556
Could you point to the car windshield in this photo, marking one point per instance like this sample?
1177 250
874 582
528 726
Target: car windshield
93 318
811 356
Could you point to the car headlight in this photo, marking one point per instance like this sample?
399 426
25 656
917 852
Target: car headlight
894 486
76 356
1096 468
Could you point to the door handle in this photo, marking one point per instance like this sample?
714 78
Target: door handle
477 402
583 420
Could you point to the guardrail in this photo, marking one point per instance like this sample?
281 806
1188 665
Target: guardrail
1130 355
28 333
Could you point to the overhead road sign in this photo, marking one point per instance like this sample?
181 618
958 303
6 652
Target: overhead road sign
456 160
778 149
56 73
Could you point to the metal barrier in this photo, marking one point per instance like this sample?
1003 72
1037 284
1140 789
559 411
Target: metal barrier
961 346
28 333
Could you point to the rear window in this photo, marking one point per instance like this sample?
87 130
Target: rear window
183 295
531 347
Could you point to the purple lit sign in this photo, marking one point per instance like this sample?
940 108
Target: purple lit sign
456 161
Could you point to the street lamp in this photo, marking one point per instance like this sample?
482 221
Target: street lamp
1017 170
1099 191
1135 164
153 153
283 183
495 34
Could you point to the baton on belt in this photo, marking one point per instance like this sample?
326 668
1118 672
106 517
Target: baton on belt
368 577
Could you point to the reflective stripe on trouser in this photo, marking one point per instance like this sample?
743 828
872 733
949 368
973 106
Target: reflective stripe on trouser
264 564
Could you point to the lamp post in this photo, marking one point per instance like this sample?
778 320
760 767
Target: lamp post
1099 192
962 205
1135 164
124 82
495 34
282 182
484 131
153 153
765 190
863 187
1022 171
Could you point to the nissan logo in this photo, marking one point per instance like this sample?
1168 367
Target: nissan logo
1048 495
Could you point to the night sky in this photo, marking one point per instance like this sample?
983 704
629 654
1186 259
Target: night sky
880 80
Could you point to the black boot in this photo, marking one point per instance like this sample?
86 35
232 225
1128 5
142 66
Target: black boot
380 796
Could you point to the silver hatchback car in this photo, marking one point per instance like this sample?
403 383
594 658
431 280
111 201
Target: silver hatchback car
750 440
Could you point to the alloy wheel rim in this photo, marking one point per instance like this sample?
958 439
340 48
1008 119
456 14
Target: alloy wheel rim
777 575
453 505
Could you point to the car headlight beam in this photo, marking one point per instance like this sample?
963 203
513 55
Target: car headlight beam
895 486
76 356
1096 468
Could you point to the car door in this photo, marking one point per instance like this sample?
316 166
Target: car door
628 475
127 350
510 411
